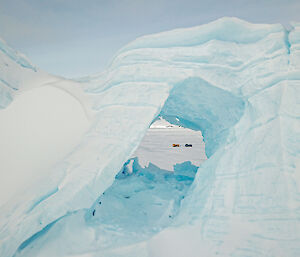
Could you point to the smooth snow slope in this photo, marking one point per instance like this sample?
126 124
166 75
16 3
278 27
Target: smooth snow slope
40 127
42 119
35 134
236 82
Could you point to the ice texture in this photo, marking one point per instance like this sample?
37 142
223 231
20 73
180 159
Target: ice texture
236 82
141 202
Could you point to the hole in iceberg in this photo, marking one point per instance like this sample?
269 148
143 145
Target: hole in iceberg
146 197
142 199
147 193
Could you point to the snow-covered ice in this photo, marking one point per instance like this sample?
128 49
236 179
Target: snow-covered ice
236 82
157 146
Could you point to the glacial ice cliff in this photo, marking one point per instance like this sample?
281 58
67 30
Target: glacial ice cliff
236 82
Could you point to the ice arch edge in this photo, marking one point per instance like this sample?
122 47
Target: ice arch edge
196 104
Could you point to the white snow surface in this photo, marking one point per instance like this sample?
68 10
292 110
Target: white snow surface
157 146
236 82
35 135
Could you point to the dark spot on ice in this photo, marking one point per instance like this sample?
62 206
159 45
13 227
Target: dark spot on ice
127 197
94 212
170 216
99 202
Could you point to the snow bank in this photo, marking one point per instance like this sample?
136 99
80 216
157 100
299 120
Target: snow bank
35 134
238 83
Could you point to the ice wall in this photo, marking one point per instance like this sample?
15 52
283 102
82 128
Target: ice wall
236 81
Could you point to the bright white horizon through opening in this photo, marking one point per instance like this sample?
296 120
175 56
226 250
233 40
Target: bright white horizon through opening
157 146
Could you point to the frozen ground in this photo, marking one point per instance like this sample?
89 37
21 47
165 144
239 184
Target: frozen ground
156 146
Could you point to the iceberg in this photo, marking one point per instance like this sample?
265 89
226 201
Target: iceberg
236 82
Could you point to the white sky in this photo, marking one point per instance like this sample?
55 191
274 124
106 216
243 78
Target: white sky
73 38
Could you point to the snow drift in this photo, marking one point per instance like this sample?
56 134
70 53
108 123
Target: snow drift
236 82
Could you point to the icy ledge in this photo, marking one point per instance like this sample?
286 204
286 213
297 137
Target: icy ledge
238 83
